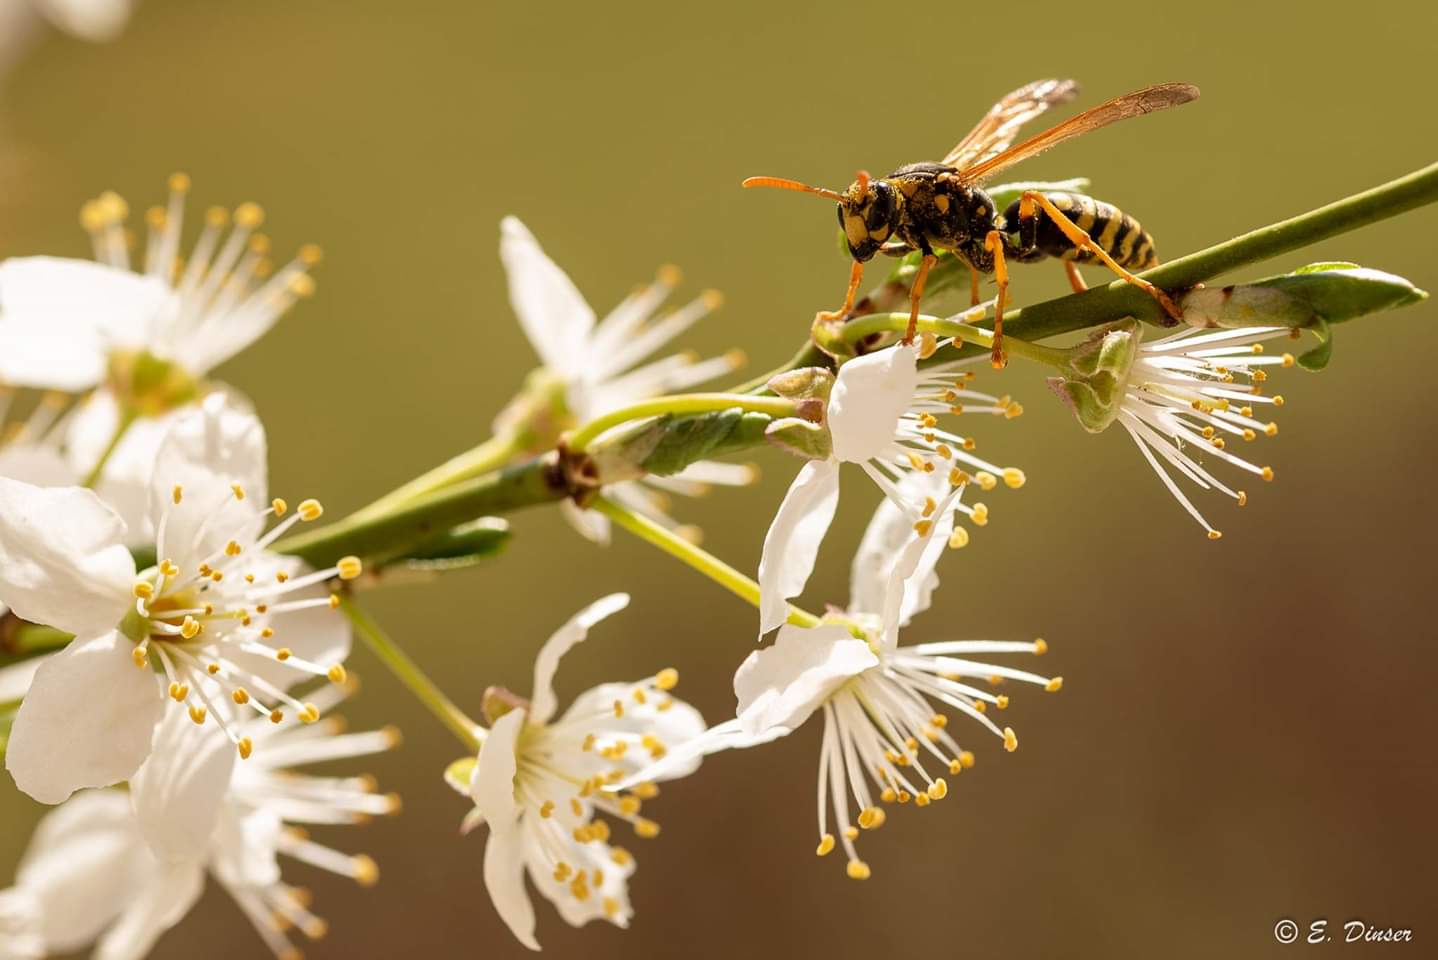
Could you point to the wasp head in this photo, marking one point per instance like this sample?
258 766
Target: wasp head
868 214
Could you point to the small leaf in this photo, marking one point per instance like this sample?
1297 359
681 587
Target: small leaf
1339 292
685 440
801 438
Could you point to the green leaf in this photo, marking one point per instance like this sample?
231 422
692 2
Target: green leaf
685 440
464 546
1339 292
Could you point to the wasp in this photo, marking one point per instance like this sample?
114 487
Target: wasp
942 206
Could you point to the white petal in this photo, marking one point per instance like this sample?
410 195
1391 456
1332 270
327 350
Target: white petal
83 860
542 700
62 558
492 789
674 726
42 466
504 879
206 453
151 910
792 544
869 395
125 482
781 685
246 846
551 310
59 319
589 524
15 679
20 926
87 721
178 790
93 20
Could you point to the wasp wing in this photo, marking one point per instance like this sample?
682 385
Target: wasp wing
996 131
1160 96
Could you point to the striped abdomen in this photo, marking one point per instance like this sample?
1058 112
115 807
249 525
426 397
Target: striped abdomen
1120 235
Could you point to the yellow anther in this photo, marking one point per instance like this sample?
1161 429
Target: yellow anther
238 490
1249 435
198 714
366 871
249 215
981 706
928 346
189 628
281 576
1215 534
980 515
1278 399
647 829
857 870
279 506
546 809
955 767
1054 685
621 856
588 743
611 906
216 575
930 505
712 299
921 799
639 696
889 795
923 527
1242 499
241 696
986 480
334 601
1259 376
246 746
939 720
141 655
309 713
302 285
1041 647
576 807
179 183
871 818
666 679
1218 443
143 589
174 692
168 568
283 654
1270 429
337 673
629 805
959 538
1267 473
646 790
928 421
349 567
619 708
1014 477
1013 409
562 871
851 832
1208 433
217 216
966 759
1011 739
905 796
310 510
277 716
1002 702
957 477
177 494
212 669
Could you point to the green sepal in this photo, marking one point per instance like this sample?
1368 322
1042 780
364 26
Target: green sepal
538 415
802 438
464 546
1096 374
460 772
497 701
1319 357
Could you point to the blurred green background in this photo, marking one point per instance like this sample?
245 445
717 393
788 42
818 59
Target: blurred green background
1246 728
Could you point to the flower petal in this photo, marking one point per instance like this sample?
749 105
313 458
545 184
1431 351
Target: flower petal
869 395
15 679
792 544
206 454
781 685
86 722
177 792
82 862
504 879
151 910
42 466
589 524
59 319
492 788
542 700
245 851
890 530
901 592
729 735
95 20
550 308
62 558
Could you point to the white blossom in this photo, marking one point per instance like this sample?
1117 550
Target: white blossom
539 783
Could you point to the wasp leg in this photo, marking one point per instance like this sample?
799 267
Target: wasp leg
1078 238
973 287
1075 278
994 244
856 276
916 292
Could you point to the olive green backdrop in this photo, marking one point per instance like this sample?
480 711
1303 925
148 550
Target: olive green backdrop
1246 728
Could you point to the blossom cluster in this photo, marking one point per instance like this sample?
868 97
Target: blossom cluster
200 657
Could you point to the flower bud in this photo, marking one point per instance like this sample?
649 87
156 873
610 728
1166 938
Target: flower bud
801 437
805 383
1097 374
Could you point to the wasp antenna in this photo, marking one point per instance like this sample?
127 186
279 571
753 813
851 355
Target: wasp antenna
862 178
782 184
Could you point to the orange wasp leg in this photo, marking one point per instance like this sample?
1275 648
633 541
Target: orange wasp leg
856 276
1083 241
994 244
916 292
1075 278
973 287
